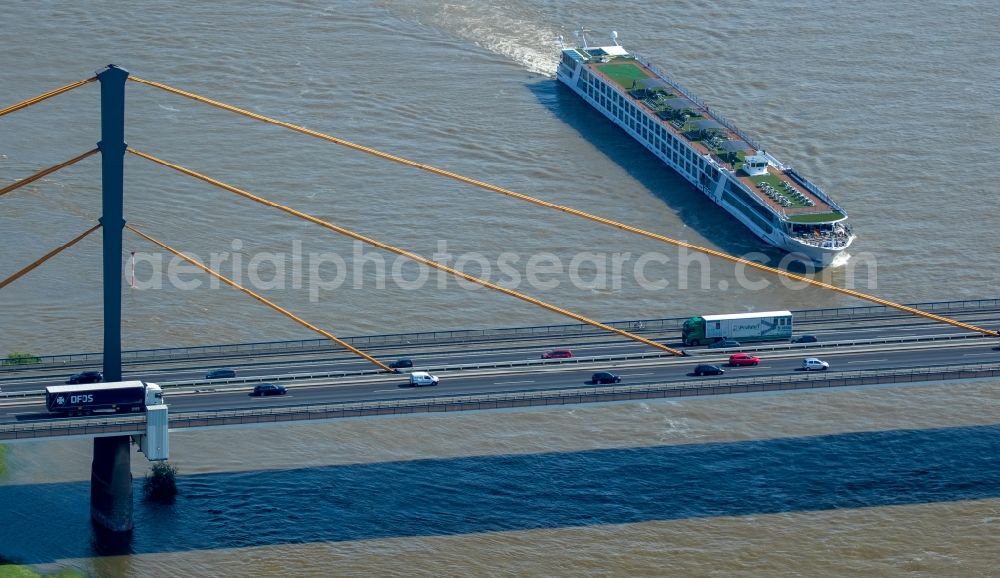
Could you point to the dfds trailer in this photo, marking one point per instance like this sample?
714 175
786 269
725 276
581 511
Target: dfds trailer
115 397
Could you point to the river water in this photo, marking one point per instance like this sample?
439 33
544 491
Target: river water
888 107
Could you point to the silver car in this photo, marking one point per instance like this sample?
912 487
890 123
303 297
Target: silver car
814 363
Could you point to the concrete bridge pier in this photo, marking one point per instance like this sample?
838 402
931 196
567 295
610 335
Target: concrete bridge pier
111 484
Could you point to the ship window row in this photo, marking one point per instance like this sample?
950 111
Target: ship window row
688 162
651 131
746 211
645 126
746 199
594 87
603 95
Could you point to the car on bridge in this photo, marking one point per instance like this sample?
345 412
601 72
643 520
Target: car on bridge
269 389
705 369
401 363
814 363
738 359
557 354
805 339
605 377
221 373
724 343
418 378
86 377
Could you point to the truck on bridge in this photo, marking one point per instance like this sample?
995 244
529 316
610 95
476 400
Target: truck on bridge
763 326
114 397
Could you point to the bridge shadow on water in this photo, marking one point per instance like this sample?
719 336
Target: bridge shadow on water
692 207
48 522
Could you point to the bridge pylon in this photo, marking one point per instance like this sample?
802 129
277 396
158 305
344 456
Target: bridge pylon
110 474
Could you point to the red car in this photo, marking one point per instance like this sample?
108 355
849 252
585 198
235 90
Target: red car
557 354
743 359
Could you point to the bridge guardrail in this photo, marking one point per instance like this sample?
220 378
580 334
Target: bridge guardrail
471 335
14 394
123 425
753 347
563 396
590 359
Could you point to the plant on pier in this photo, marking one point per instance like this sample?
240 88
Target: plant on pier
161 484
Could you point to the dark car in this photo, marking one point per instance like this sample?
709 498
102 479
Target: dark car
724 343
401 363
605 377
557 354
269 389
805 339
86 377
220 373
708 370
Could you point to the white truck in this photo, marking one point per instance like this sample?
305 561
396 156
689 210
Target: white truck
114 397
764 326
418 378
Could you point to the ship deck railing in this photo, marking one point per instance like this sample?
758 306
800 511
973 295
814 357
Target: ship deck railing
696 99
723 164
809 186
835 240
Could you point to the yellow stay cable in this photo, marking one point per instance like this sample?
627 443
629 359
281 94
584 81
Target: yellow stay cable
570 210
45 172
404 253
265 301
47 256
49 94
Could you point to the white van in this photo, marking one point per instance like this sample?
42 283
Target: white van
418 378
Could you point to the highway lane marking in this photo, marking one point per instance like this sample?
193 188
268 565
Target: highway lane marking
512 382
974 354
868 361
181 386
636 374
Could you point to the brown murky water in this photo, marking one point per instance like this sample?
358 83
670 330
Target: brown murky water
890 108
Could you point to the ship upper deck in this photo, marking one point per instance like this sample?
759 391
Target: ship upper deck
710 134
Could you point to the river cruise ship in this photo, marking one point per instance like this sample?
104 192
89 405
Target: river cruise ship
779 205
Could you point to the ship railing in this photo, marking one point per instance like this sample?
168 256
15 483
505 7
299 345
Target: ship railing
813 189
826 241
697 100
770 158
720 164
